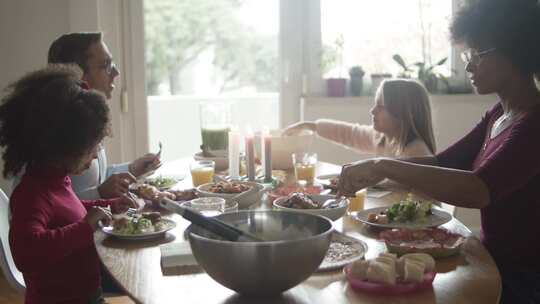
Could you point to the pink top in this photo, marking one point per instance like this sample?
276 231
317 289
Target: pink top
509 164
51 243
365 139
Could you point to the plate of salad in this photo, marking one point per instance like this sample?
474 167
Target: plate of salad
143 226
163 182
408 213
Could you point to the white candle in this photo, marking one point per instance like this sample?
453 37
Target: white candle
304 85
250 155
234 154
266 144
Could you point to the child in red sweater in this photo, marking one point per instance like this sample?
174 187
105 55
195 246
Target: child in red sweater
52 127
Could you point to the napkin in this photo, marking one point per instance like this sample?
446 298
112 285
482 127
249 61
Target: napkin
177 258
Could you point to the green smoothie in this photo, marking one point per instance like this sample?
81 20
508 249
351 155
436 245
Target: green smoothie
215 139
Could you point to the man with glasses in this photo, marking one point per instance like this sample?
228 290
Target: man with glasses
89 51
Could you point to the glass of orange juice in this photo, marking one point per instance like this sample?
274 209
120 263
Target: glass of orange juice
356 203
202 171
304 166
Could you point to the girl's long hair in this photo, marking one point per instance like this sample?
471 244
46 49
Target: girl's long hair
408 101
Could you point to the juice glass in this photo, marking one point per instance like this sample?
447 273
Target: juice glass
356 203
202 171
304 166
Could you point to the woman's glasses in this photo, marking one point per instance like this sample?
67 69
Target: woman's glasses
473 56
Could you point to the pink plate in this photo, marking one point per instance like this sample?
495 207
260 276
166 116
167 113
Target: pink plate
384 289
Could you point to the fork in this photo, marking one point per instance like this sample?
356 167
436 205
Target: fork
160 145
131 211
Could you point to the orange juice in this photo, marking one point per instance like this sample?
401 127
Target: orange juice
202 175
305 172
357 202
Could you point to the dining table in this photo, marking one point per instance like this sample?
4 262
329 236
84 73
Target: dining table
468 277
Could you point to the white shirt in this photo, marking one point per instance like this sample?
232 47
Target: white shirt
85 184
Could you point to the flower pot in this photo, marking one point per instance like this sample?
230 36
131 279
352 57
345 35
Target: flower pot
357 85
336 87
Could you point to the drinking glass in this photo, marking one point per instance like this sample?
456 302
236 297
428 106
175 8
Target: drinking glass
356 203
209 206
215 125
304 166
202 171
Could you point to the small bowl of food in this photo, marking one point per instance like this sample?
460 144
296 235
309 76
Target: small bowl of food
250 192
285 190
325 205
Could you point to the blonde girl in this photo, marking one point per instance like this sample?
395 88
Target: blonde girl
401 123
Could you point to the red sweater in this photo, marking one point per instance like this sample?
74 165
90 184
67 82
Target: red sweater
51 244
509 164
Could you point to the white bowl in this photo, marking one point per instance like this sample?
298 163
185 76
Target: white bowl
230 206
284 146
247 199
331 213
222 162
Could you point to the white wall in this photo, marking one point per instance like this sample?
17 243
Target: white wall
28 27
453 117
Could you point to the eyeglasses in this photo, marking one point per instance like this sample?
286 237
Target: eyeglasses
472 56
109 67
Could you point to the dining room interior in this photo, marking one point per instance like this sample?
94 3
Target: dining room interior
212 85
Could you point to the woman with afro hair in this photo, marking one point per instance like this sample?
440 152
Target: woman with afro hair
496 167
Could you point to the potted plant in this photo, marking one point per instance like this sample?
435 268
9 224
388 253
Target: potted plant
424 72
357 75
336 86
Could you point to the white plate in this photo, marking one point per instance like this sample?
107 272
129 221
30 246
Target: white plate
357 247
176 177
109 231
437 218
325 178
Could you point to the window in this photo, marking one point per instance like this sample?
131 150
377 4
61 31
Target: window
206 51
371 32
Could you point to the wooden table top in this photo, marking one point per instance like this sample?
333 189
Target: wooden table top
470 277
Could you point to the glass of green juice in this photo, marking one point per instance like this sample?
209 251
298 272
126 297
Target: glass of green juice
215 125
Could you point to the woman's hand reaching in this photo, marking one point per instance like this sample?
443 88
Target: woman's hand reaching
357 176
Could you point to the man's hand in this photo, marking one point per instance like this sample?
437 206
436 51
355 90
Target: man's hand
146 163
96 214
116 185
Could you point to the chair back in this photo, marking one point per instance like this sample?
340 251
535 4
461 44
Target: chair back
11 273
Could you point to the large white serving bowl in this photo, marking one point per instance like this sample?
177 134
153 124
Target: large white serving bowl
284 146
252 196
294 247
331 213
